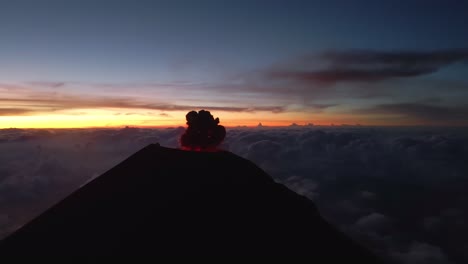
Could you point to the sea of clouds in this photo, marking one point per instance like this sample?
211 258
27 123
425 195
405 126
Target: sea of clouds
400 191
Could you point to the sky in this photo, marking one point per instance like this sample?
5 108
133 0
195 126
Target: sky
147 63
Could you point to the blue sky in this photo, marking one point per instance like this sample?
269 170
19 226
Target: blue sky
222 53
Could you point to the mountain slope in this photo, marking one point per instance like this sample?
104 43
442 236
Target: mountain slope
168 201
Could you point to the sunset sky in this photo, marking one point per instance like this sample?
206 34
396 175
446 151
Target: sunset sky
146 63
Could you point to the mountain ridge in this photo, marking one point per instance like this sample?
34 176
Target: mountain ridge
171 201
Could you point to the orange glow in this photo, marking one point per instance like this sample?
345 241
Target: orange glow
83 118
115 117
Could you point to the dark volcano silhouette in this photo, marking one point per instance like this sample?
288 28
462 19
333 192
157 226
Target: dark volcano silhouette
175 202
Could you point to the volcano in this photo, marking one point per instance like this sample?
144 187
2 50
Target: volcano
166 201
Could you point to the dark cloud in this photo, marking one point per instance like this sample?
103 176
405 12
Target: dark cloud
273 109
14 111
48 84
321 106
368 65
421 112
436 58
349 75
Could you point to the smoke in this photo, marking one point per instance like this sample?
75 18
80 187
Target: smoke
203 132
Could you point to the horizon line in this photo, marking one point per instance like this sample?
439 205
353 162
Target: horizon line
240 126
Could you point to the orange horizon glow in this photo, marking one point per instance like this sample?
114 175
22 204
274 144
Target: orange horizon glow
113 118
95 122
118 118
23 107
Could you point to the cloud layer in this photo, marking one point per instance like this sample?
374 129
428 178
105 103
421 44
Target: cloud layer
400 191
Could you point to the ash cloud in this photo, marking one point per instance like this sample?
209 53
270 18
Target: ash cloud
203 131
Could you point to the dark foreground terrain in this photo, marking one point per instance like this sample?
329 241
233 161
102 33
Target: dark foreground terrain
169 201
